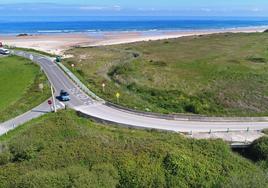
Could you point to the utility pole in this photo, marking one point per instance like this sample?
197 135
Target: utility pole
53 99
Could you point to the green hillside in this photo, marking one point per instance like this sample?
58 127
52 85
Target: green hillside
217 75
64 150
19 91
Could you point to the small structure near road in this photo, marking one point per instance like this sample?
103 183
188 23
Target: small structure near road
236 139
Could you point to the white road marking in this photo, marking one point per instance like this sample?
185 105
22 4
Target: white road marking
62 104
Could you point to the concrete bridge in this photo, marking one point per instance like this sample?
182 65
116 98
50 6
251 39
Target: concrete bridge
236 139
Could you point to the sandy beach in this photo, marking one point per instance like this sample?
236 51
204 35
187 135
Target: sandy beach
58 43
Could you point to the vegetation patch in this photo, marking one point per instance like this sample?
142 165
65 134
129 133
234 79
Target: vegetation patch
20 90
259 149
258 152
63 150
215 75
256 59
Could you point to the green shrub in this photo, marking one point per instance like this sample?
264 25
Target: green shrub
244 180
80 72
42 179
257 59
259 149
5 157
63 150
120 69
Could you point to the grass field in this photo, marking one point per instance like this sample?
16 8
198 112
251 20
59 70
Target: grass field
19 91
216 75
64 150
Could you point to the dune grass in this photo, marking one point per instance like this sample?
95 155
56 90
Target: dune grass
216 75
19 91
64 150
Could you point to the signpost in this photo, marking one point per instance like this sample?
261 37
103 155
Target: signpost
117 96
50 104
103 87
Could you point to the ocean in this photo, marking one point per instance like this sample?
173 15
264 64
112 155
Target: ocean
47 25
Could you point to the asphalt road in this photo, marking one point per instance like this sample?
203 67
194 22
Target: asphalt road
38 111
83 103
59 80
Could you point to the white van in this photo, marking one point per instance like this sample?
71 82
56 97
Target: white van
4 51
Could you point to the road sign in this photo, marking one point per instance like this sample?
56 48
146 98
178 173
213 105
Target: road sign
117 95
49 102
103 87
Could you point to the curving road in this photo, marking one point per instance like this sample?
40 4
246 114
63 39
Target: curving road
86 105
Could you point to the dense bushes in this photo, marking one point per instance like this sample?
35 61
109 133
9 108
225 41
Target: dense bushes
259 149
104 176
62 150
175 101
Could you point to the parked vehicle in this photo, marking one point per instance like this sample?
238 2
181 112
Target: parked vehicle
64 96
58 59
4 51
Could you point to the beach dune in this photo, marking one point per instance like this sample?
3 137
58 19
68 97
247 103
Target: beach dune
58 43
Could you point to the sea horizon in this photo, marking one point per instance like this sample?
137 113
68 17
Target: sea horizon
55 25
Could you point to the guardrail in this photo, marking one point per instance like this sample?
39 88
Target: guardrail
79 83
188 117
154 114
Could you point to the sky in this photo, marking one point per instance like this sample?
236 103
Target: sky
236 8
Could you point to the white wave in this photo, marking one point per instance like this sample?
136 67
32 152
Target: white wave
55 31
